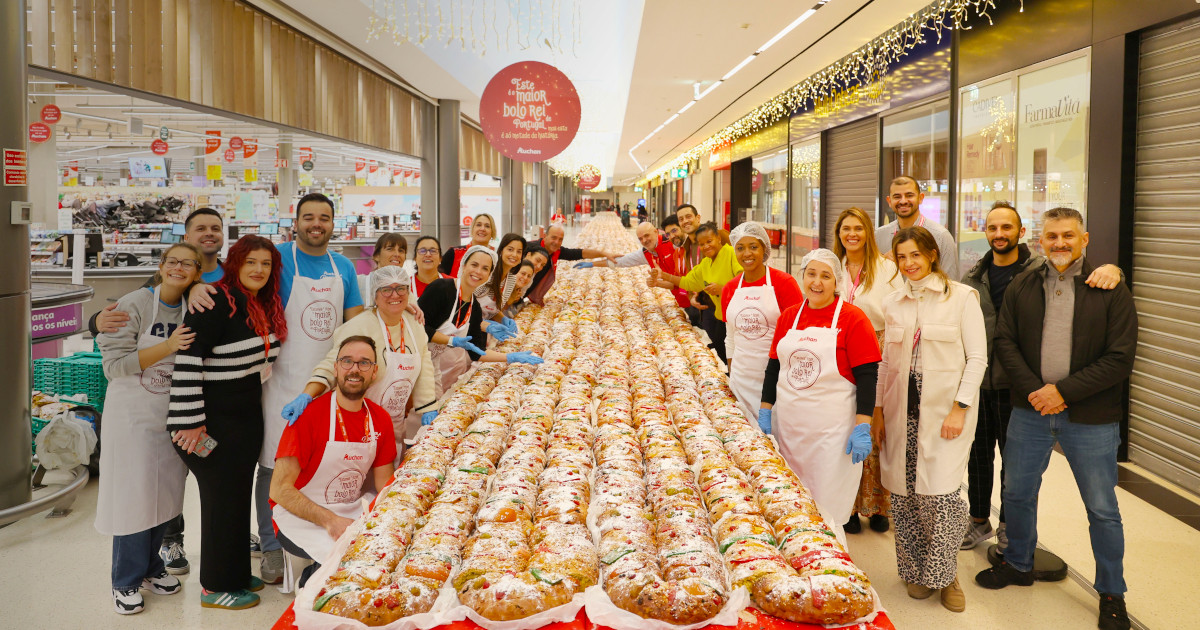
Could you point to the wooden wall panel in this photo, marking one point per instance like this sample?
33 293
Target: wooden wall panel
227 55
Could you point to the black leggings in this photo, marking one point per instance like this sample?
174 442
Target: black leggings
226 481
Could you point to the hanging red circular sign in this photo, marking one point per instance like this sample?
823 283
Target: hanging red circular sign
159 147
236 143
229 155
589 177
39 132
530 111
51 114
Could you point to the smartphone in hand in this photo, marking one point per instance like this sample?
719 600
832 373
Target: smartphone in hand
204 445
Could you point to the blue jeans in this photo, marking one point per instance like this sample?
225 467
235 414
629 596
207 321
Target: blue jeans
135 557
1091 451
262 494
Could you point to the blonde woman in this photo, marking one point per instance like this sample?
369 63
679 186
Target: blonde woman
867 279
483 232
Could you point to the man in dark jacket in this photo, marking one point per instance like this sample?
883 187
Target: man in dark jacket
1068 350
1006 258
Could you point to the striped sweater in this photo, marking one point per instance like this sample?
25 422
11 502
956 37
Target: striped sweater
226 350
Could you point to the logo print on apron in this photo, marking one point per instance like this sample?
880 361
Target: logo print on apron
751 323
803 369
156 379
344 488
318 320
396 397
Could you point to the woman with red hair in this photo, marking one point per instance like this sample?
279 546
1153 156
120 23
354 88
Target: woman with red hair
215 418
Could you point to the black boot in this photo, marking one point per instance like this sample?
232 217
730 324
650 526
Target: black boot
853 526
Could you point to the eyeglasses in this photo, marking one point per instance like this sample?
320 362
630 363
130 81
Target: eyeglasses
172 262
426 251
388 292
346 363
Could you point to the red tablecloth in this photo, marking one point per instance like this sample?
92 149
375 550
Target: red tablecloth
762 621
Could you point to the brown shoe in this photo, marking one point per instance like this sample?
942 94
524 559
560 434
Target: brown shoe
953 598
917 591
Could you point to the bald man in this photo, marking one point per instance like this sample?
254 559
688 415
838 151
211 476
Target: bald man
553 244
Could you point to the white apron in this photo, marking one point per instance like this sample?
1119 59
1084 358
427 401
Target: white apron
394 384
141 479
450 362
814 414
314 310
336 486
753 313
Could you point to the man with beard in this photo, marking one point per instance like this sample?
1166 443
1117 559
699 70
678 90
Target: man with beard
655 252
323 460
1006 258
552 243
904 198
205 229
674 233
1068 350
688 256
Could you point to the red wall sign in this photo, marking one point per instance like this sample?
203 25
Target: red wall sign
230 155
236 143
39 132
306 155
212 144
249 148
159 147
589 177
16 167
530 111
51 114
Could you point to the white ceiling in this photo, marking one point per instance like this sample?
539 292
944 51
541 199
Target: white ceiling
634 62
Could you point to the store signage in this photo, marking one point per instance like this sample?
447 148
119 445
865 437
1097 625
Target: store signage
719 157
249 148
306 154
59 320
51 114
213 171
359 164
236 143
39 132
250 175
679 173
589 177
213 143
164 133
230 155
308 165
16 167
159 147
530 111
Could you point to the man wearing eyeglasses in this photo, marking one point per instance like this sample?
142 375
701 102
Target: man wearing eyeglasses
326 458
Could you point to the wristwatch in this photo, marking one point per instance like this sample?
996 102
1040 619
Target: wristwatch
962 405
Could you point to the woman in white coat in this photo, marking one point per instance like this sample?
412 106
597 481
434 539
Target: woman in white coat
141 478
752 302
818 391
934 356
867 279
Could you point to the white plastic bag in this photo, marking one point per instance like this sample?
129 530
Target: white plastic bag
66 442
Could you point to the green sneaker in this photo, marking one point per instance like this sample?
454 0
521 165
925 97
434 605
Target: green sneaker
256 584
234 600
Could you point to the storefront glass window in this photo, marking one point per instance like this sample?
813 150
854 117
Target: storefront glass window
720 196
806 200
916 142
1024 140
768 199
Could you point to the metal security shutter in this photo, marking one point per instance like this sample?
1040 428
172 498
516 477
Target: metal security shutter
1164 423
851 172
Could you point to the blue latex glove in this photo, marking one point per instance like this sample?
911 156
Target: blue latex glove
585 265
427 417
764 420
292 410
465 344
523 356
509 322
500 331
859 444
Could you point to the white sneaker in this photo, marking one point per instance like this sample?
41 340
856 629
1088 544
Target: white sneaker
162 584
1001 539
128 602
976 533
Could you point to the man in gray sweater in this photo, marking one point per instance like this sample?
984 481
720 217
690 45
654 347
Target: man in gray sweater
904 198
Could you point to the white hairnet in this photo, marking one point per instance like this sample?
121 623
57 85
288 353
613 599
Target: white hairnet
479 248
826 256
384 276
755 230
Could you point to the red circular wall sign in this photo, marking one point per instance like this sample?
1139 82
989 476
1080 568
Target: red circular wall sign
159 147
230 155
589 177
466 221
530 111
39 132
51 114
236 143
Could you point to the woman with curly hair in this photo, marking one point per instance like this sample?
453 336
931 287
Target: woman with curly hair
215 396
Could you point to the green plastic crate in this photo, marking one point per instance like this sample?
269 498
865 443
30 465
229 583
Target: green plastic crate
80 373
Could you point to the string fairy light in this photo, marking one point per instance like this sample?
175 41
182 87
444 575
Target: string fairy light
530 24
865 66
